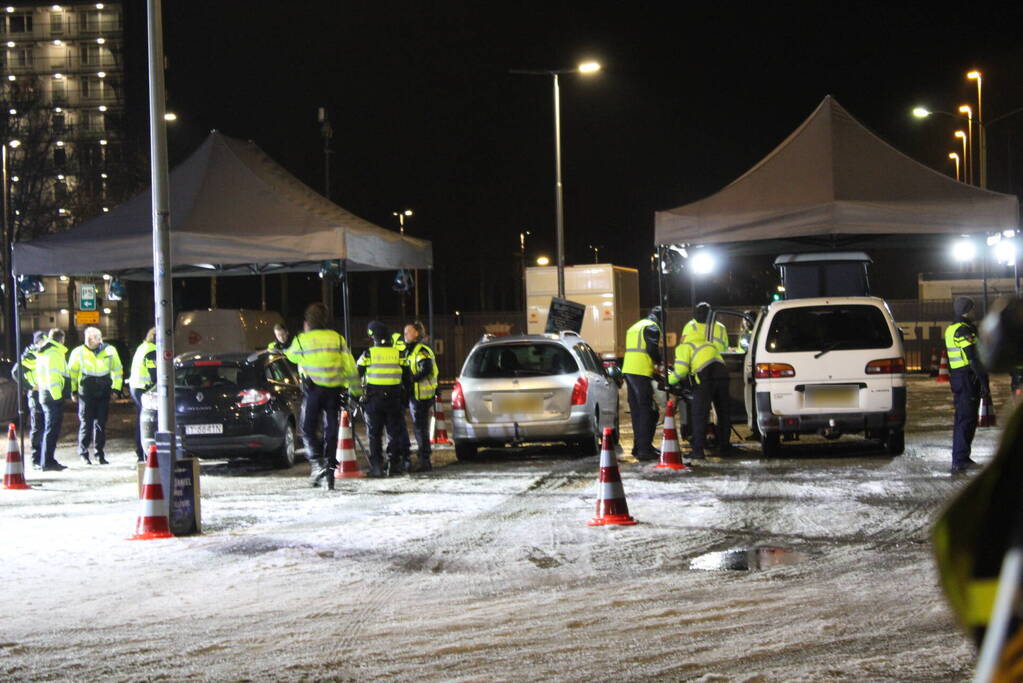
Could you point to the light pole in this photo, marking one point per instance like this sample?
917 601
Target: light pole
584 68
966 170
402 215
522 263
596 253
971 167
976 76
955 157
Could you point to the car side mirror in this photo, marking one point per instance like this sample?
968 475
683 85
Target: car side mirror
614 372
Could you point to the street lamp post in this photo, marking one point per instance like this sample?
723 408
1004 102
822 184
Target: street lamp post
976 76
522 263
402 215
584 68
401 218
965 109
955 157
596 253
966 164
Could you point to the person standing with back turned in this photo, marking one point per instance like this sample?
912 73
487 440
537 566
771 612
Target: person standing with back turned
384 371
54 384
642 355
968 380
141 380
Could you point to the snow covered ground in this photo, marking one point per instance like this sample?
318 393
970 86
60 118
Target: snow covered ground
487 570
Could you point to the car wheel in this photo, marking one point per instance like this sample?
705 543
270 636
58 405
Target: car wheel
770 444
284 457
465 450
591 446
895 442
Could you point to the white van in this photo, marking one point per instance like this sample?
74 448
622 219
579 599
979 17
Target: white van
224 329
826 365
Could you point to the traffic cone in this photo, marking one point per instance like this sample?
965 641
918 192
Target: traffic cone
943 375
671 457
986 413
14 472
347 465
440 425
611 505
153 522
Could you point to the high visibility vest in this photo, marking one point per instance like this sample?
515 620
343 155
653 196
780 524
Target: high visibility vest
143 367
427 386
51 369
691 357
383 366
694 331
102 363
28 367
323 357
398 342
956 346
637 360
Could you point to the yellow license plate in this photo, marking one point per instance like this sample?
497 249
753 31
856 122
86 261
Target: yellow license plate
833 397
520 404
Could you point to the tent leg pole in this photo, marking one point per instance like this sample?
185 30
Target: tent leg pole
344 300
262 290
17 359
429 309
662 301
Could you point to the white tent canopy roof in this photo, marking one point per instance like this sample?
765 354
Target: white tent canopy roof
834 177
232 208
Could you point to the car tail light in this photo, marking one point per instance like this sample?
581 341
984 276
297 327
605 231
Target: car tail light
774 370
253 397
457 397
579 392
886 366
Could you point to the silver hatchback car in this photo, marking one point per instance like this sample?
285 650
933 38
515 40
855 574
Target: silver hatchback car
531 389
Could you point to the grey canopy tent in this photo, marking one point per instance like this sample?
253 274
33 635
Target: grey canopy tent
834 182
234 210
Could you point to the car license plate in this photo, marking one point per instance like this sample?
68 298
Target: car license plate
837 396
204 429
519 405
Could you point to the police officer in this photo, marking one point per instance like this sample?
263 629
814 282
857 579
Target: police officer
96 372
141 380
695 328
402 444
642 355
27 366
422 368
281 338
382 371
968 380
327 368
700 358
54 384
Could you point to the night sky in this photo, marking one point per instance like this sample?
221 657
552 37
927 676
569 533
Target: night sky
426 114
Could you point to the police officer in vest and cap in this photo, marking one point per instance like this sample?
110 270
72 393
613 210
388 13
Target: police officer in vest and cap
141 380
699 357
642 355
96 372
383 373
54 384
422 368
968 380
327 368
403 445
31 389
695 328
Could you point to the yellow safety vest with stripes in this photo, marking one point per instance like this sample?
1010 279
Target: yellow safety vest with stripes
696 330
691 357
28 367
51 369
323 357
101 363
956 346
143 368
383 366
637 360
427 386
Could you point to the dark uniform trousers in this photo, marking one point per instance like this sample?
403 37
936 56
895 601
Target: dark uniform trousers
420 410
384 410
711 389
92 422
53 415
644 413
966 396
136 396
395 448
37 422
320 407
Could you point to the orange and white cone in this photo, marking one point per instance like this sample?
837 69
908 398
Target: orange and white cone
153 521
671 457
943 375
611 505
14 472
440 425
347 465
986 413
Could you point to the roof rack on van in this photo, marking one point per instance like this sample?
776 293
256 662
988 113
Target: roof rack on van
570 333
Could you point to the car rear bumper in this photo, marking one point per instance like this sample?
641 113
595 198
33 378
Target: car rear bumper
577 426
242 439
842 422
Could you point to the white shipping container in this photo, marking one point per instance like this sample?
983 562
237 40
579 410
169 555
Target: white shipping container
610 294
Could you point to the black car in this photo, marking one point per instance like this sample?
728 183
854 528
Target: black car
230 405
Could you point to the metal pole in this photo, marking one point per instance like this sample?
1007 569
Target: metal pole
344 301
429 308
13 298
262 290
983 266
662 300
162 284
558 199
983 136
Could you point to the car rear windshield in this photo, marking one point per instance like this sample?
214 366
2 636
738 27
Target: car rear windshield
816 328
520 360
212 375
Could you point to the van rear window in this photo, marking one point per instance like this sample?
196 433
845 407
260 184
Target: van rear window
520 360
816 328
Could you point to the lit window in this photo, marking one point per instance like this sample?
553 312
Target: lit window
10 43
106 311
10 9
102 107
106 209
62 211
99 5
100 41
15 178
58 76
102 142
60 176
56 8
60 143
11 77
58 42
102 175
57 109
12 112
63 311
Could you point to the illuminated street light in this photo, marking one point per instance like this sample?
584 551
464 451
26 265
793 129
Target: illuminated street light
14 144
965 109
402 215
1005 252
955 157
543 261
589 67
703 263
964 251
170 116
921 112
962 136
976 76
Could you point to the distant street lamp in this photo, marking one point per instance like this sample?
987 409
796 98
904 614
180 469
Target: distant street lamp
584 68
976 76
402 215
955 157
962 136
965 109
596 253
543 261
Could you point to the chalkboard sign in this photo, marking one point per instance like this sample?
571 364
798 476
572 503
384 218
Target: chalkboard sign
185 514
565 315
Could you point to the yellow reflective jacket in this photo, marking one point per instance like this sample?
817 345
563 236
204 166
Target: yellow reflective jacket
143 367
383 366
323 357
51 370
95 372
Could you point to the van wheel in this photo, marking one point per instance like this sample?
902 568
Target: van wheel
895 442
465 450
284 457
770 444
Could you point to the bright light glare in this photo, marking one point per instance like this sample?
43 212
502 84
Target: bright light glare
589 67
170 116
963 251
703 263
965 109
921 112
973 75
1005 252
953 155
543 261
15 144
960 134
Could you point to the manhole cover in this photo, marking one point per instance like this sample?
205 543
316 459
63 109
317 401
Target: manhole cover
747 559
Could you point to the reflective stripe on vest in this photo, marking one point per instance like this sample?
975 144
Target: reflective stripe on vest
141 368
692 358
637 360
694 330
383 366
51 369
426 387
956 347
102 362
